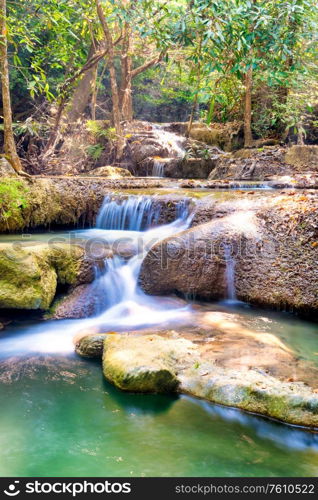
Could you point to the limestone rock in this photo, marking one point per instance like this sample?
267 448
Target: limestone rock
110 171
222 361
91 346
29 275
303 157
142 364
273 245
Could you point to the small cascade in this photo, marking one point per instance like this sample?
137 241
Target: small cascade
173 143
158 169
134 213
230 274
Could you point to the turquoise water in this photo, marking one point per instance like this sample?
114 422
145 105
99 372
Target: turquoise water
59 418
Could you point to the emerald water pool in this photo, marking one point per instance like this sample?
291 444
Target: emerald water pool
59 417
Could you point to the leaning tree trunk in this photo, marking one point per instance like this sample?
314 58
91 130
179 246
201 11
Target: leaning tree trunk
83 91
10 149
248 138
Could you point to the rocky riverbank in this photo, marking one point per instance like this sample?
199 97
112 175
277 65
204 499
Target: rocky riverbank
272 244
218 359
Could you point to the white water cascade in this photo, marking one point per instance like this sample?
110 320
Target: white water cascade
230 274
172 143
122 305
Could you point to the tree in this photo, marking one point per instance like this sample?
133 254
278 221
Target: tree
9 142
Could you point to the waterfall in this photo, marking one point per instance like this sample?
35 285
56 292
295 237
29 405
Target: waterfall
230 274
158 168
120 302
133 213
170 141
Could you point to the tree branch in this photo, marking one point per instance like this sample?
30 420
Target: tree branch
147 64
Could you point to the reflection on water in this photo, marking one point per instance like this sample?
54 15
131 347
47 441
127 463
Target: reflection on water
285 436
62 419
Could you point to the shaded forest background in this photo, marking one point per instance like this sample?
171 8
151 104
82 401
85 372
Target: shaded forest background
71 61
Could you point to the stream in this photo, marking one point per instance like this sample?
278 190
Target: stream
61 418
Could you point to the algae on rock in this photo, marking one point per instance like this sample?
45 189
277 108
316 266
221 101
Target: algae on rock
29 275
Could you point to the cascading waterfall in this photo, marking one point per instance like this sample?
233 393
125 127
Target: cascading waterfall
133 213
121 304
170 141
118 285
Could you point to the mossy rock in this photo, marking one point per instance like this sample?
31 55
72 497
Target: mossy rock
91 346
140 364
29 275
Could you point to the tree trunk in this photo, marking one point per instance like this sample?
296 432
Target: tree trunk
112 70
126 78
9 143
83 91
248 138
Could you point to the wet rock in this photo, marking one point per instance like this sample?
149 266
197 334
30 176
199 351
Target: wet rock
221 361
273 245
29 275
193 262
91 346
110 171
142 366
80 302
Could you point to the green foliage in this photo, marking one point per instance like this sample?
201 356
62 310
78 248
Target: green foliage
95 151
100 129
13 198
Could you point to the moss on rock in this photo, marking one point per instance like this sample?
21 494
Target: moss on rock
29 275
144 364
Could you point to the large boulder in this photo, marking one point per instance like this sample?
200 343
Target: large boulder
194 262
273 253
29 275
251 164
143 366
228 137
303 157
221 361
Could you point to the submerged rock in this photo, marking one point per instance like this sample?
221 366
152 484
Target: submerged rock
141 364
29 275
